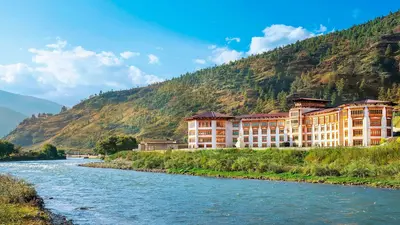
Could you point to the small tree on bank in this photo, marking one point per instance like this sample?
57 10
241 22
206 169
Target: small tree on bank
115 144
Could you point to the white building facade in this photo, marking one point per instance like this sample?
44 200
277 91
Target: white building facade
309 123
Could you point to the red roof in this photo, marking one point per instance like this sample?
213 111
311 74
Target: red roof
210 115
311 99
261 115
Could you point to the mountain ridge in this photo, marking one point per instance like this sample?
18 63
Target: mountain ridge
358 63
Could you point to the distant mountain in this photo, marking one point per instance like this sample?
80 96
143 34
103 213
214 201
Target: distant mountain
358 63
26 104
9 120
15 108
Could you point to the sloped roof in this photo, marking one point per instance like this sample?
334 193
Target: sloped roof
369 102
319 111
311 99
210 115
264 116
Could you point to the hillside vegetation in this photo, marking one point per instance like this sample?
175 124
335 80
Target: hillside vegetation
358 63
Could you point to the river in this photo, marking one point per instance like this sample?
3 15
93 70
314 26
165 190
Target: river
129 197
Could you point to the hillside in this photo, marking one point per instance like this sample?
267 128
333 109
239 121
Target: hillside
27 105
9 120
361 62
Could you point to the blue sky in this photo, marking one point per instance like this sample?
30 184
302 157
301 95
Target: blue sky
66 50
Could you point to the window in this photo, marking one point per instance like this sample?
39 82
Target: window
309 137
295 138
389 132
309 129
321 120
346 133
357 133
264 145
281 131
254 124
281 123
357 112
272 124
273 139
357 123
204 124
375 111
255 139
281 138
264 131
375 141
191 140
192 124
192 132
220 124
246 124
295 122
375 122
389 122
236 124
273 145
295 130
357 142
315 120
375 132
205 132
294 114
326 119
264 138
328 136
264 124
220 132
235 132
234 140
246 139
221 140
246 132
323 128
346 123
322 136
204 139
308 121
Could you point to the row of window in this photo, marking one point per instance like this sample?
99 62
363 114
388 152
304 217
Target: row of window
263 139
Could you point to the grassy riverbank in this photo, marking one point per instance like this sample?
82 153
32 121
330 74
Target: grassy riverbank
20 204
375 166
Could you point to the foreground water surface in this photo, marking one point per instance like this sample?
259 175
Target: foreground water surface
106 196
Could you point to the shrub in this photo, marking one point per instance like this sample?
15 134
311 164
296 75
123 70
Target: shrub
360 168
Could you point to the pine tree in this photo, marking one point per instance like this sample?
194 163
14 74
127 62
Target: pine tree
389 50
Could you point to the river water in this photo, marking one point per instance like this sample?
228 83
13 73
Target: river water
129 197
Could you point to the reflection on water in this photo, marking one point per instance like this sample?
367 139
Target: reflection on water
105 196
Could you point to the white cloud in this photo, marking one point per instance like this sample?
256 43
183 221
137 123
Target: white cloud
212 47
128 54
69 74
200 61
356 13
224 55
321 29
229 39
278 35
153 59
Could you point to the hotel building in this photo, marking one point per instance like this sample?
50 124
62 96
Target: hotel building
309 123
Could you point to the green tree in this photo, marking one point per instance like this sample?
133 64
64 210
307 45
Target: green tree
6 148
340 86
50 151
115 144
389 50
282 100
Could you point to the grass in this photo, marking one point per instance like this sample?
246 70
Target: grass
19 203
374 166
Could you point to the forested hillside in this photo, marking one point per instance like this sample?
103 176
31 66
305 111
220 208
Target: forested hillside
361 62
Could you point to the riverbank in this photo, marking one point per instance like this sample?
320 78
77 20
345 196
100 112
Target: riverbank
20 204
374 167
